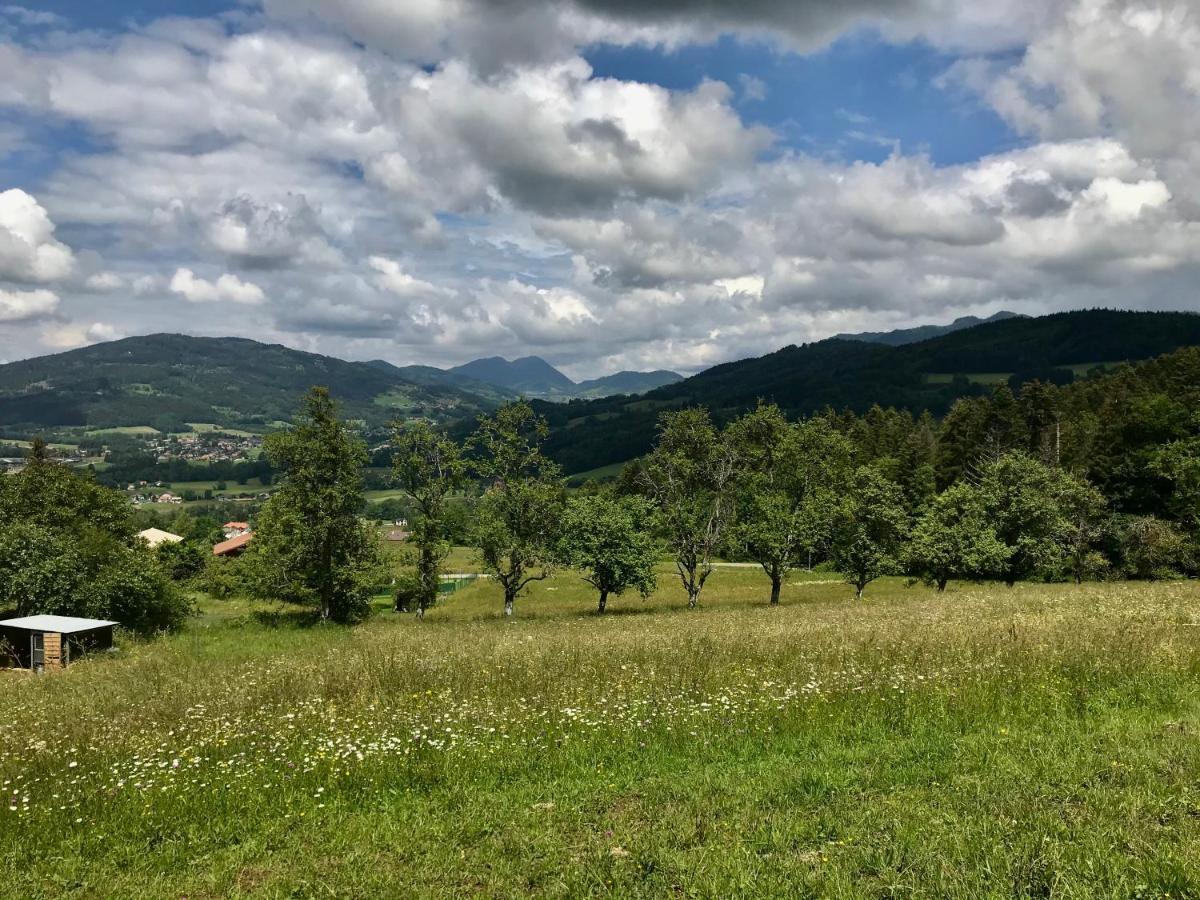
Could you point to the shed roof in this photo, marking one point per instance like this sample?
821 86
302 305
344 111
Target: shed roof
59 624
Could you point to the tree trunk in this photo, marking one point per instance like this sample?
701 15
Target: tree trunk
326 579
858 589
428 570
509 598
776 582
941 584
421 613
603 602
693 598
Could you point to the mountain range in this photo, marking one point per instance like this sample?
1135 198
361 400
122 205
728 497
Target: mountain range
167 380
532 376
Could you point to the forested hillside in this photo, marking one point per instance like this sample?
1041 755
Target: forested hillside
900 336
855 375
166 380
1134 433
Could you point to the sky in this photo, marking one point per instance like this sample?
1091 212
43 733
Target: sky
608 184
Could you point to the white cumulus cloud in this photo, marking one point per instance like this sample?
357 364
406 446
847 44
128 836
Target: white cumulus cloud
227 288
27 306
29 252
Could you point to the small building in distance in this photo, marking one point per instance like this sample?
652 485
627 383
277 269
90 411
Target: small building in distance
233 529
234 546
156 536
397 534
50 642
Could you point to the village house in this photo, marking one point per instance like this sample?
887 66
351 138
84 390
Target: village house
156 536
233 529
234 546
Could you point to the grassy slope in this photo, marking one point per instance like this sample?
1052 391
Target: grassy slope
988 742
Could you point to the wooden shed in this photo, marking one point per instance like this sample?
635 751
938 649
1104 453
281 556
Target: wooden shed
50 642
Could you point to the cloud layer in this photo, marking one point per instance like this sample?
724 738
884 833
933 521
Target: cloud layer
433 181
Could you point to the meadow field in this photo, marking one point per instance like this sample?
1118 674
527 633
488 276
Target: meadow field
1033 742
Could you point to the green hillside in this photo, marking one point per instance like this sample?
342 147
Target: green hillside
855 375
167 380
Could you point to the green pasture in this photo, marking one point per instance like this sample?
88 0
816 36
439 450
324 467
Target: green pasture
989 742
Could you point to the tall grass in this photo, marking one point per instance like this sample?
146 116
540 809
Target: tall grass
1037 741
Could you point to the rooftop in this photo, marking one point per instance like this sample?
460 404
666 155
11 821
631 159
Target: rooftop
232 544
59 624
156 536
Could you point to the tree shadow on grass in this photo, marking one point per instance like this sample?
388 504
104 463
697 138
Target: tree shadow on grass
295 617
616 612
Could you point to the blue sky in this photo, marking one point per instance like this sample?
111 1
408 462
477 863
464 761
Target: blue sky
856 100
119 15
457 178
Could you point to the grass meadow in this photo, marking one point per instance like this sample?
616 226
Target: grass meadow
1033 742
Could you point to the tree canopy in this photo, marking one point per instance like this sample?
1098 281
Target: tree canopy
609 538
309 545
429 467
689 477
68 546
518 518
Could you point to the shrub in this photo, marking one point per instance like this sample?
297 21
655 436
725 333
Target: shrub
1152 548
224 577
183 560
406 593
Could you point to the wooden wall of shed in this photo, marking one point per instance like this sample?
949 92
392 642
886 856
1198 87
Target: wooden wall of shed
52 654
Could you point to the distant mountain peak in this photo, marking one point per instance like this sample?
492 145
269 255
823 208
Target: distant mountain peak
532 376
